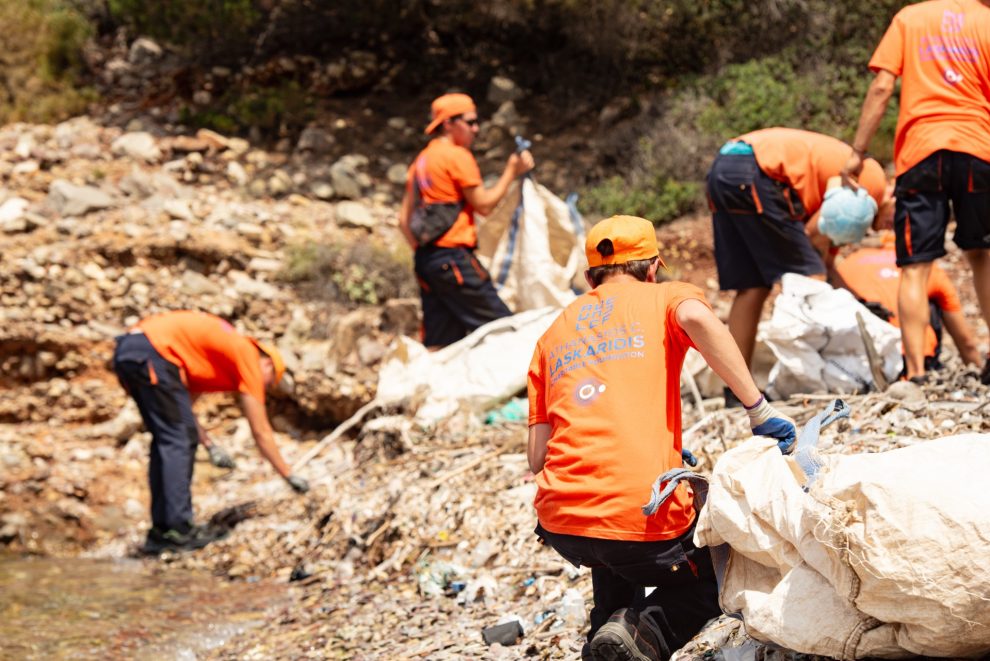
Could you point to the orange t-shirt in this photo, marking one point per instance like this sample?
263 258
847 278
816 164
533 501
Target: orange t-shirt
805 161
873 275
443 170
606 378
940 49
214 356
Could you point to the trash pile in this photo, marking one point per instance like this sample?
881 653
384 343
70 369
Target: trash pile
421 544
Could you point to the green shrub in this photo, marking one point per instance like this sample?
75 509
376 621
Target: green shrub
208 28
41 43
659 200
361 272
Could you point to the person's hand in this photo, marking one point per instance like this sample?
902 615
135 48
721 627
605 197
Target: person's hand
765 420
521 163
852 169
219 457
298 484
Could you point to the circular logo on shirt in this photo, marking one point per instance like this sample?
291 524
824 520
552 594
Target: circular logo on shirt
588 391
952 77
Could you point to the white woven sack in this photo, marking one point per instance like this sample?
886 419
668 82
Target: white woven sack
887 555
534 248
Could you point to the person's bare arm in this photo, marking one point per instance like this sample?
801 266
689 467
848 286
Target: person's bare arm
963 336
261 429
405 211
536 449
874 106
713 341
484 200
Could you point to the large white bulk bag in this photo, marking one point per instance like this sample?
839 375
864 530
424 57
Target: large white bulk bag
533 246
876 555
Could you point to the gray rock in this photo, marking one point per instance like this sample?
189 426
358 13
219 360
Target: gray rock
321 190
370 351
506 116
315 140
249 230
138 145
68 199
196 284
397 123
397 174
346 178
354 214
264 265
12 218
144 51
502 89
246 286
178 209
280 183
25 146
236 173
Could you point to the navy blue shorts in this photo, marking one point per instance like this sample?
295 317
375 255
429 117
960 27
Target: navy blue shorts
457 294
944 182
758 226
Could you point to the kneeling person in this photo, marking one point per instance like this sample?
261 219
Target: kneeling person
605 420
164 364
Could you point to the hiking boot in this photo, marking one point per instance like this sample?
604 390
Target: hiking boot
985 373
629 636
196 537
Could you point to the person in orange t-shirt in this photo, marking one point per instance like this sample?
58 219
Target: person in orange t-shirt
766 189
605 420
164 364
940 51
871 274
444 183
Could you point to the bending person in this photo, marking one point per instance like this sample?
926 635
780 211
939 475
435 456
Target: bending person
871 274
164 363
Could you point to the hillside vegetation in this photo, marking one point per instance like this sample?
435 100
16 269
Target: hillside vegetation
668 81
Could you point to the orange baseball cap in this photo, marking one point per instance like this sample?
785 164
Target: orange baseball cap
277 361
632 238
447 106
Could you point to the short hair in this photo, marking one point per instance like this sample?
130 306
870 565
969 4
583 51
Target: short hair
637 268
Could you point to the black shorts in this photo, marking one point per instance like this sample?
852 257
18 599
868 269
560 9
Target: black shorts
943 184
758 226
457 294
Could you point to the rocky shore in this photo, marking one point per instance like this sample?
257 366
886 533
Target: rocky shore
413 540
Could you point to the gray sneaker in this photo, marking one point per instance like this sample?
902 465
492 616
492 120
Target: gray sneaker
195 538
629 636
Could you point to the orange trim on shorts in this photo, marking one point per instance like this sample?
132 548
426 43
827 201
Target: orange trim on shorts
756 199
457 273
151 374
907 234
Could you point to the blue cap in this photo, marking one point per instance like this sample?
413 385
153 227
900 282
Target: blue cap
846 214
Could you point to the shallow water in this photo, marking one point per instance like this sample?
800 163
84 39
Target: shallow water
122 609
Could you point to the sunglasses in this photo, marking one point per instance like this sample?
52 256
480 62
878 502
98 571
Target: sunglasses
469 122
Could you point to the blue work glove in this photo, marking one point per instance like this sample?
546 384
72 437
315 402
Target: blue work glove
689 458
765 420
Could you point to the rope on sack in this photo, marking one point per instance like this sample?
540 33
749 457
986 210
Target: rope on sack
805 454
522 144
